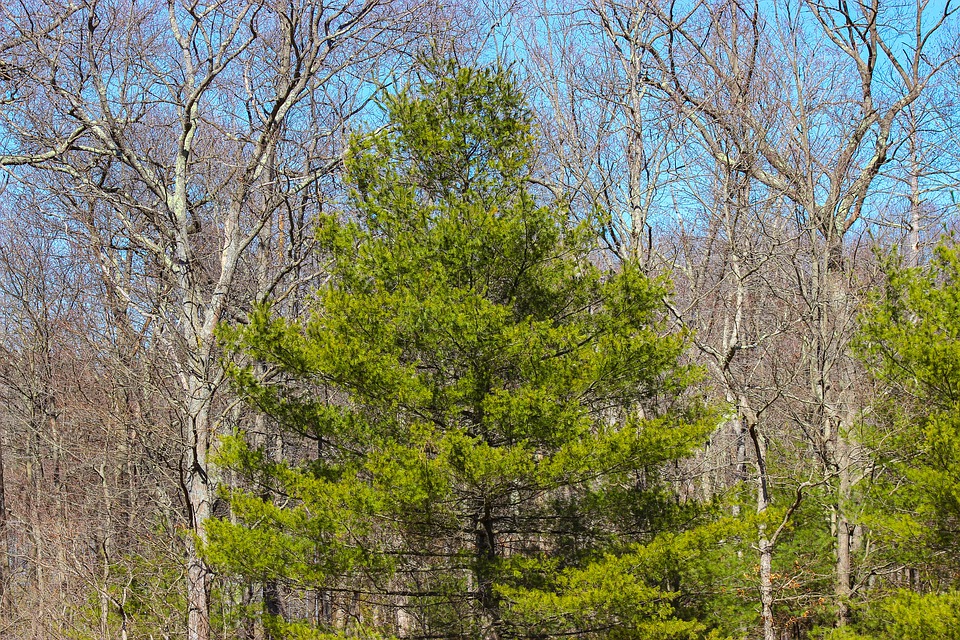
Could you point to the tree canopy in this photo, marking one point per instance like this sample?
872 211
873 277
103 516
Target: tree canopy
491 409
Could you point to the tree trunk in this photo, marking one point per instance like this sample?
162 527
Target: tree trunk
913 229
765 544
486 555
766 584
844 574
834 376
198 594
4 546
198 496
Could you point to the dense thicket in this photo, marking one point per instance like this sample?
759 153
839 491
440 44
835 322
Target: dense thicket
301 335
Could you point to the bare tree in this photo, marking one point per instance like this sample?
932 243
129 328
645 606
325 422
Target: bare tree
743 75
182 139
612 144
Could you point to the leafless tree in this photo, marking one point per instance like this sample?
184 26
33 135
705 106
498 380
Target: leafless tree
613 147
189 144
752 77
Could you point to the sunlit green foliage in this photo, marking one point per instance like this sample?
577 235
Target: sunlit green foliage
906 615
489 409
911 339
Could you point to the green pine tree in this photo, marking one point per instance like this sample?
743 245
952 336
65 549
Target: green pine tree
487 410
910 338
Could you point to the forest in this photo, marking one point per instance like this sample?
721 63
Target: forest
479 319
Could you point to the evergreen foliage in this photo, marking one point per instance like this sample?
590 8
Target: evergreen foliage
910 338
489 409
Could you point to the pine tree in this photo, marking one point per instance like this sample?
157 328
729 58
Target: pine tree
489 410
910 338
